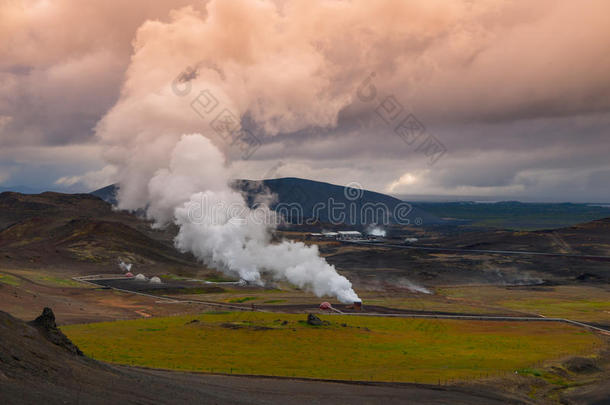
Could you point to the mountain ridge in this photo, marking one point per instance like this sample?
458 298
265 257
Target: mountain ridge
321 202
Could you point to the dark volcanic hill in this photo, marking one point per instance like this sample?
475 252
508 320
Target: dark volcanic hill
329 203
303 201
107 194
53 229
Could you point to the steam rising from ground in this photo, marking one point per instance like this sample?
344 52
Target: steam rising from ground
278 72
234 239
125 266
376 231
411 286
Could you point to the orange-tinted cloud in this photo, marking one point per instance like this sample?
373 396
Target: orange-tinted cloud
501 77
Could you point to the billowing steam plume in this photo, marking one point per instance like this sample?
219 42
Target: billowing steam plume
219 228
272 73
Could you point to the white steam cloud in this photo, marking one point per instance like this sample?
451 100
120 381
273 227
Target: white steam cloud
270 70
376 231
235 239
411 286
125 266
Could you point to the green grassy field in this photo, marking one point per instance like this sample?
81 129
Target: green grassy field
581 303
58 281
349 347
8 279
41 277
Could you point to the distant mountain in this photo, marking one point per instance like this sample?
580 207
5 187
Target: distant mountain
20 189
107 194
517 215
307 201
302 201
323 201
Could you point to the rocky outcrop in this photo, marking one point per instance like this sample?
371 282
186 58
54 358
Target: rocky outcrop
314 320
46 325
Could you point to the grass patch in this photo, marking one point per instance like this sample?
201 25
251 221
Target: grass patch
10 280
172 277
545 375
220 279
581 309
581 303
188 290
530 371
274 301
151 329
58 281
349 347
242 299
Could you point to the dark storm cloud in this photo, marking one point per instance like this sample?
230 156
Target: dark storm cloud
517 92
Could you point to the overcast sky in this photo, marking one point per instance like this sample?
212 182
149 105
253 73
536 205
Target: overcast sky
499 99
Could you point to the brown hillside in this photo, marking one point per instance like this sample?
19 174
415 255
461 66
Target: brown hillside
52 229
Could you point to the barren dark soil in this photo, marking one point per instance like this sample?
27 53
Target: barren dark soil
589 238
380 264
81 230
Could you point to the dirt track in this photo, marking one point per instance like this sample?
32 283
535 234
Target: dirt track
131 385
